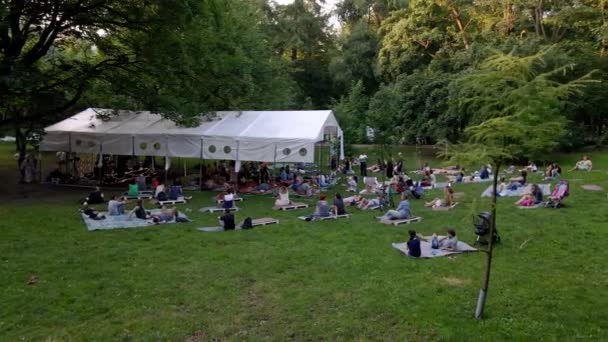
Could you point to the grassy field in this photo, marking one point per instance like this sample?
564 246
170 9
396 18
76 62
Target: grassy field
337 280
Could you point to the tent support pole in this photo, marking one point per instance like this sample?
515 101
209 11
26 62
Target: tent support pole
274 162
238 148
200 169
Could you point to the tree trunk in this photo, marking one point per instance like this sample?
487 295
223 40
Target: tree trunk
461 28
483 291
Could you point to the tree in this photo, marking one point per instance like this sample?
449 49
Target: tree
300 34
183 56
355 59
518 104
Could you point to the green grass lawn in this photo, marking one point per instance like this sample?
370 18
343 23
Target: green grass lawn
331 280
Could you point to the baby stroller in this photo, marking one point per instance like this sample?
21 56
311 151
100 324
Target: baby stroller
561 191
482 229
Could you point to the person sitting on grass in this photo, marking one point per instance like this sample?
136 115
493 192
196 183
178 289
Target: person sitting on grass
450 242
338 208
116 206
448 199
228 200
531 198
90 212
322 210
553 171
583 165
227 220
531 167
402 212
283 197
352 184
166 215
502 187
521 180
305 189
159 188
139 211
95 197
413 245
133 189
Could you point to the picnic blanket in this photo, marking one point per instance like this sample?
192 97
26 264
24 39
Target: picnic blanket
122 221
428 252
546 189
592 187
255 222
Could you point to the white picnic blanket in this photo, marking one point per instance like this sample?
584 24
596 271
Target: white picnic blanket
546 189
122 221
428 252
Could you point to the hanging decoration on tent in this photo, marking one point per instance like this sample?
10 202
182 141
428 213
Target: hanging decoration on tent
286 151
303 152
157 146
227 149
212 149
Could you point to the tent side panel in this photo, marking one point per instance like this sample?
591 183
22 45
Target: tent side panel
55 142
150 145
296 152
117 144
219 148
184 146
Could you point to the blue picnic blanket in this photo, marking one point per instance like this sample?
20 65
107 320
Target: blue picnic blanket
122 221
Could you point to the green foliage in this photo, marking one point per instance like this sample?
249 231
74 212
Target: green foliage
515 105
350 112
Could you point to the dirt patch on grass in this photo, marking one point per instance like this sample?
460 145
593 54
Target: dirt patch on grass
456 282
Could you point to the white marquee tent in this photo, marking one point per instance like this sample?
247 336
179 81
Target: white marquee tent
271 136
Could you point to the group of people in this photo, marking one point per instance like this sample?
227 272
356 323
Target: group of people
323 209
448 242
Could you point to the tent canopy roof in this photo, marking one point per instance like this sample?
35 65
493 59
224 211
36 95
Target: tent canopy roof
308 125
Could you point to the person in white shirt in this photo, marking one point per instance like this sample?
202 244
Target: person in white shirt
449 242
283 197
583 165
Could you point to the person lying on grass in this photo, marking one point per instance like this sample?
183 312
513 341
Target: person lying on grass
353 200
321 210
402 212
372 203
413 245
583 165
166 215
448 198
534 197
91 212
227 220
139 211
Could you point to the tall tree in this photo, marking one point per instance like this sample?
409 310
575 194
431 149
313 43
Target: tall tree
518 102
